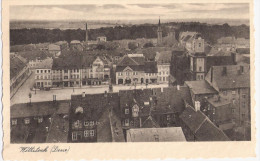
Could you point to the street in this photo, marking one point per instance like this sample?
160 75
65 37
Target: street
22 95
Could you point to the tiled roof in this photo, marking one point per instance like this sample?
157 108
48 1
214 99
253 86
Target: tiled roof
32 55
45 64
171 100
24 110
138 96
93 105
150 67
135 63
163 57
150 123
233 77
155 134
201 126
200 87
16 66
219 101
58 131
243 50
193 119
54 47
220 60
209 132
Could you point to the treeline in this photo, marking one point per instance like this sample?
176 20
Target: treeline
209 32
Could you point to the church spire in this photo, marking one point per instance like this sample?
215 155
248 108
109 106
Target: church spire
159 21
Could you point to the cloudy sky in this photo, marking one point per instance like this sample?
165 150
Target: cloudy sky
130 11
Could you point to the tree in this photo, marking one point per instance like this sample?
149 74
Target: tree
132 46
149 44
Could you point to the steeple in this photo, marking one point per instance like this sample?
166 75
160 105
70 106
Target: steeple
159 33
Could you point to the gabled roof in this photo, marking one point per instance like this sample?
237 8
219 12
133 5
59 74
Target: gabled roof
16 66
135 63
163 57
171 100
155 134
24 110
201 126
93 105
193 119
109 128
220 60
150 123
233 77
209 132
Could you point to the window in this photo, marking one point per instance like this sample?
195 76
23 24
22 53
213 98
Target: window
243 116
45 71
14 121
86 133
74 136
49 71
168 117
37 71
233 92
27 121
243 104
92 132
41 71
91 123
126 111
126 122
234 100
65 71
200 69
86 123
233 110
65 77
40 119
243 95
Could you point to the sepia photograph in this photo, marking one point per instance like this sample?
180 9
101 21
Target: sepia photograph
124 73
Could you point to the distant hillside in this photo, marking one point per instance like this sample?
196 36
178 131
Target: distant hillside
209 32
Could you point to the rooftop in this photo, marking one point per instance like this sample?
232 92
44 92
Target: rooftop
200 87
24 110
233 76
45 64
218 101
155 134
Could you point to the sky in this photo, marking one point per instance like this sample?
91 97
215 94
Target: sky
131 11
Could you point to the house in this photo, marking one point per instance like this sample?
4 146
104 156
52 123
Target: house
219 111
163 60
43 74
92 118
130 69
157 107
151 72
233 83
75 70
155 135
198 127
32 122
19 72
200 90
54 50
75 45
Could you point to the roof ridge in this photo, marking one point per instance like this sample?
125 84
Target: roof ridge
134 61
200 125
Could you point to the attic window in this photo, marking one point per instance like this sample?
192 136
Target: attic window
79 110
146 103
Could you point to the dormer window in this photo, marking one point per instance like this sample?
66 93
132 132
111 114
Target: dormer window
79 110
14 121
27 121
135 111
126 111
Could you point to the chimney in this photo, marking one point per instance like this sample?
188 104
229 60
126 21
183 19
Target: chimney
140 121
178 87
224 71
197 105
83 94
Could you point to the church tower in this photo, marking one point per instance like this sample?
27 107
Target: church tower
159 34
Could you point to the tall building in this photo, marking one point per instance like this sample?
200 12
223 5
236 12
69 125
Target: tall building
159 34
